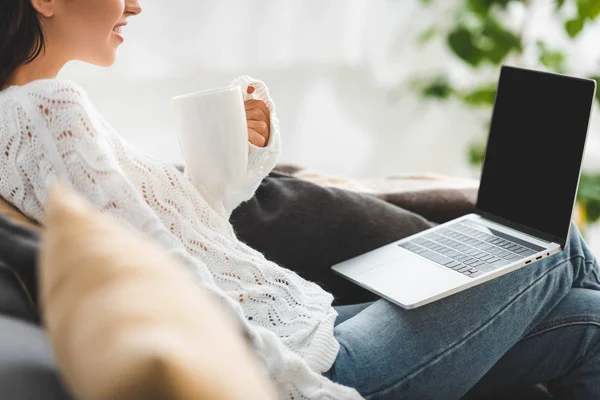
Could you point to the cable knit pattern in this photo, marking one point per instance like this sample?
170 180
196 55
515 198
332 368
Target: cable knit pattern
49 129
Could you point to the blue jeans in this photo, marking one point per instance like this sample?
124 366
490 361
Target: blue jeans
540 324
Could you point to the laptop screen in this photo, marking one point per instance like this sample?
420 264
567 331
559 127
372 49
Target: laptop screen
534 151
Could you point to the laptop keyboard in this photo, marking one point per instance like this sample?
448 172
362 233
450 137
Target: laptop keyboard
468 251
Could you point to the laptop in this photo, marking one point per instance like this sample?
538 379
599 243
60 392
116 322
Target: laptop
525 202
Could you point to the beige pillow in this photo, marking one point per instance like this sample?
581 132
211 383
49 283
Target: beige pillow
127 322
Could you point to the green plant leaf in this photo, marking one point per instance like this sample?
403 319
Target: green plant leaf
560 4
461 42
482 7
553 60
592 209
439 88
427 36
589 187
588 9
589 195
483 96
476 153
574 27
502 40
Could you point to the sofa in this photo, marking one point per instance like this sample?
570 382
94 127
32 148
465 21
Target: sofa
290 194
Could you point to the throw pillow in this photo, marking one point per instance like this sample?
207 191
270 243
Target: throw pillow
127 322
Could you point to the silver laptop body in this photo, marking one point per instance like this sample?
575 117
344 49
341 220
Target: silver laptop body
528 188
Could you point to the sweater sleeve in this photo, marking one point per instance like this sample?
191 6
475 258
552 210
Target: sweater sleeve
261 161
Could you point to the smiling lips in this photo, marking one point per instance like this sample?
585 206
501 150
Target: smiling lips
118 30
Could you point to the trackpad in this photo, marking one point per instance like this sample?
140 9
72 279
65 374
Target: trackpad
412 279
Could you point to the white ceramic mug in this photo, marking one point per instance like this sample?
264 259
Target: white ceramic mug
213 134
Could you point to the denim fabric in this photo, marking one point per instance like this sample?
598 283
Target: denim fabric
540 324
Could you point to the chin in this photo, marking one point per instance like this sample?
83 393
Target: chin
106 61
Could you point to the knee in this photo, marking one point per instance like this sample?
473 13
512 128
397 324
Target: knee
576 245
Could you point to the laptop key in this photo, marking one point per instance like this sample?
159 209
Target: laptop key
466 268
486 268
480 244
500 263
462 258
438 258
434 236
521 250
496 251
453 264
527 253
504 254
408 245
487 257
412 247
453 254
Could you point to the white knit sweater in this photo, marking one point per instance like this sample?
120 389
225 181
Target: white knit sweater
49 128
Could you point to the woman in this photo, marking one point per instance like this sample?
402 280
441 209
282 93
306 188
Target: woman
500 334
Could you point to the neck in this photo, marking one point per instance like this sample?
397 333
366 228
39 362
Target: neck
43 66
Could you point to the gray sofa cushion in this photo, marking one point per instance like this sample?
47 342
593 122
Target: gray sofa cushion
14 301
27 367
308 228
18 274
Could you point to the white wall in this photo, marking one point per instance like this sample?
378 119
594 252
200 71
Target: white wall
338 70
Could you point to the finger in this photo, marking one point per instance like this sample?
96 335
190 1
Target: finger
256 114
251 89
259 126
256 139
250 104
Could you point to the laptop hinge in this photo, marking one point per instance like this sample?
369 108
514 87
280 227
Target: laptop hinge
545 237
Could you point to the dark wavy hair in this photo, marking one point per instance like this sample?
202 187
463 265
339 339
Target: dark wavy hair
21 36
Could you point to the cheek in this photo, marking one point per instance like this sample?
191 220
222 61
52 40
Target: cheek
96 18
96 22
107 15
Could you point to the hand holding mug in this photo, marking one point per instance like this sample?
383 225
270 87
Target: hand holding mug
215 129
259 121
